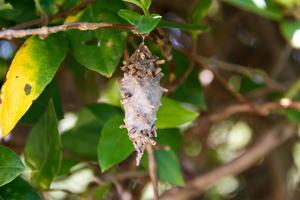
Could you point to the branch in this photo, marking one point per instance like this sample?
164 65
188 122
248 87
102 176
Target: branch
272 139
260 109
198 59
153 171
181 80
45 31
212 63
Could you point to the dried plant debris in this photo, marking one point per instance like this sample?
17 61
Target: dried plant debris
140 95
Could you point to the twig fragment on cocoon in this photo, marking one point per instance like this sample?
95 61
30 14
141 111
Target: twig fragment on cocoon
140 95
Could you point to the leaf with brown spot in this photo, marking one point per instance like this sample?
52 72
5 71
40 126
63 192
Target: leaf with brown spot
33 67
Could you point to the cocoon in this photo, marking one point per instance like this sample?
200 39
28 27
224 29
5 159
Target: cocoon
140 96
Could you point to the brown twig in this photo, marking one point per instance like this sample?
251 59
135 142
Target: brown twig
240 69
261 109
272 139
153 171
181 80
281 61
123 194
196 59
45 31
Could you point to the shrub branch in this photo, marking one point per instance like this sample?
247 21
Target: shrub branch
45 31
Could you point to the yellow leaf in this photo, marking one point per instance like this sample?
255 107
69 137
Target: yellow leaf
33 67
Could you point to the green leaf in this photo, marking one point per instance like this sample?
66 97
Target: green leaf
288 3
66 166
111 94
5 6
264 8
22 11
18 189
172 114
168 167
200 10
98 50
131 16
40 104
82 141
39 7
43 149
114 144
32 69
146 4
147 23
170 137
183 26
144 23
293 115
291 31
143 4
10 165
88 129
103 111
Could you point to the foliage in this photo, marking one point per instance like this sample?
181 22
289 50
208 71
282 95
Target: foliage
60 107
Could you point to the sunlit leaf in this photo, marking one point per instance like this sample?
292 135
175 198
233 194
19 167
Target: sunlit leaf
168 167
291 31
43 149
33 67
146 3
5 6
172 114
114 145
144 23
98 50
10 165
288 3
264 8
18 189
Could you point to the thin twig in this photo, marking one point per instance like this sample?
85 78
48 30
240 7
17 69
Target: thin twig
280 63
240 69
181 80
153 171
123 194
272 139
195 58
261 109
45 31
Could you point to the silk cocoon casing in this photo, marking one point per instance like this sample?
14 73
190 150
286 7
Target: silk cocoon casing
140 96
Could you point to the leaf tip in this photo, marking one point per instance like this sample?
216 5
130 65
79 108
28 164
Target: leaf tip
104 168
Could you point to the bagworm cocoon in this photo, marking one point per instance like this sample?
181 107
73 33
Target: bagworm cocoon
140 95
